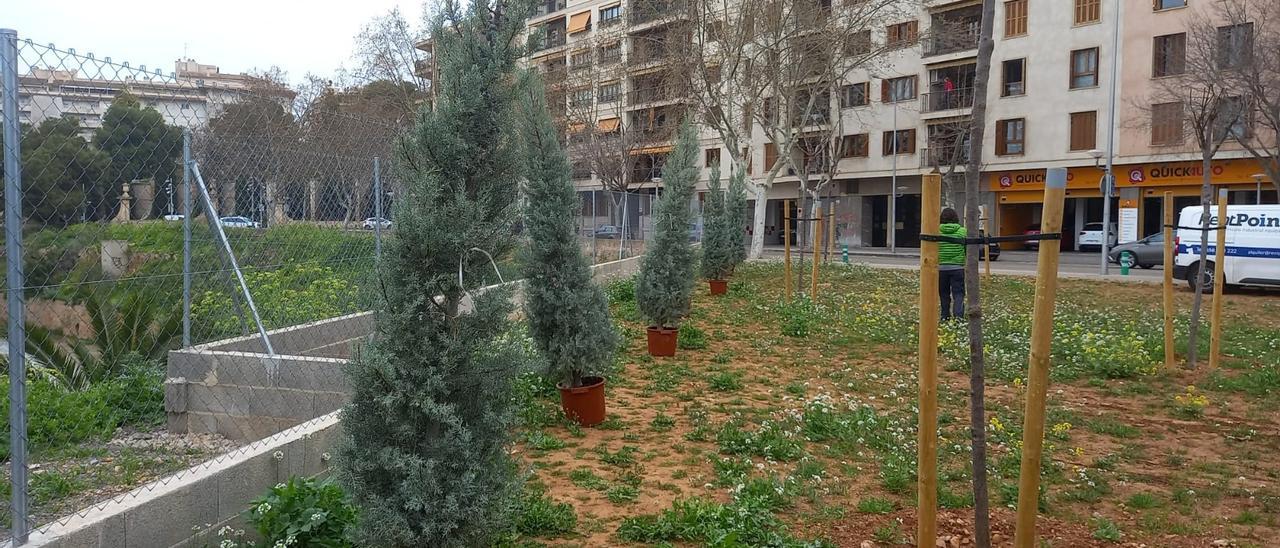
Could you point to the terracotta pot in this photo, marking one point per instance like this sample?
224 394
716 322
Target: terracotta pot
662 341
584 404
719 287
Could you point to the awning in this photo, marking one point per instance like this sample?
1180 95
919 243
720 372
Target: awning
652 150
579 22
608 124
576 127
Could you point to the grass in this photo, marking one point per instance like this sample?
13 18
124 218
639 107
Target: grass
876 505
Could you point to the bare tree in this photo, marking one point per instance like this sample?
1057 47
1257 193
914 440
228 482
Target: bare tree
385 51
1200 102
778 66
1255 27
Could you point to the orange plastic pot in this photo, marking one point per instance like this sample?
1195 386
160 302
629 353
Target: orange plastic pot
662 342
719 287
584 404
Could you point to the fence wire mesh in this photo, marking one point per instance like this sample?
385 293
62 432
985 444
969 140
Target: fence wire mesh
189 251
186 212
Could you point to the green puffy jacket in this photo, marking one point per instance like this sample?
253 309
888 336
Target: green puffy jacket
950 253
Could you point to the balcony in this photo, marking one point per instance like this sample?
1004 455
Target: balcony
548 7
649 11
951 43
942 156
936 101
637 97
954 31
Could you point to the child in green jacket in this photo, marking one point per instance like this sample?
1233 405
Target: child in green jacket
951 266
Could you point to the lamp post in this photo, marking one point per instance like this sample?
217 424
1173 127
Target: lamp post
893 186
1257 179
1106 185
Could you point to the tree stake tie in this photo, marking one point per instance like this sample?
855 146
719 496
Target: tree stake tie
462 260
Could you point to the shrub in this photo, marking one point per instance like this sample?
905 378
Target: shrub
537 515
718 240
664 285
304 512
691 338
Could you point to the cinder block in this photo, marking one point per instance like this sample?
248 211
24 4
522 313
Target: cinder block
326 402
201 423
281 403
251 428
175 395
107 533
324 375
228 399
176 423
240 370
248 480
190 365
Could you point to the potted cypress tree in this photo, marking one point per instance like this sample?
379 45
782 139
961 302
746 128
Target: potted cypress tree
664 286
718 240
567 314
424 450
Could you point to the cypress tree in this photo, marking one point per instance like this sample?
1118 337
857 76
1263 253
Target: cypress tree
567 314
736 206
664 285
426 434
718 241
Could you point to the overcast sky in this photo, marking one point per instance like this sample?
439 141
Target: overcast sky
236 35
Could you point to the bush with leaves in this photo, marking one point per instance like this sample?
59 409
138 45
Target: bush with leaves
664 285
426 434
304 512
719 240
567 313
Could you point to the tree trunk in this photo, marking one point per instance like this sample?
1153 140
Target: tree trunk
1206 200
973 286
757 221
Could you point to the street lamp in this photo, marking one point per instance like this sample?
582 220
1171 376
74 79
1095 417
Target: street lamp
1106 185
1257 178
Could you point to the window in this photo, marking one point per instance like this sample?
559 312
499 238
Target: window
1166 124
770 155
580 170
854 146
610 53
1084 68
854 95
901 34
858 44
610 15
1169 55
1084 130
580 97
894 90
1011 137
610 92
902 141
712 157
1015 18
1088 11
1169 4
1232 117
1235 45
1013 77
580 59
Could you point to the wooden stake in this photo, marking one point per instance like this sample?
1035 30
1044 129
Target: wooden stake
1038 374
831 232
1169 233
1219 258
986 248
786 244
817 258
927 431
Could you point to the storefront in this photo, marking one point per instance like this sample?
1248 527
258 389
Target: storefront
1139 188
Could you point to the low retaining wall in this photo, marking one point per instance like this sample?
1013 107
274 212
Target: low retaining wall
230 385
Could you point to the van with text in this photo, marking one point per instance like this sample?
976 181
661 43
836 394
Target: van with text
1252 254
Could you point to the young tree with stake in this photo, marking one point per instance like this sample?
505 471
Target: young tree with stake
427 432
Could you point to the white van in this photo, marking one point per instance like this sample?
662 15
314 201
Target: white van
1253 246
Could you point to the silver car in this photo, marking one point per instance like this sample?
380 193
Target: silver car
1144 253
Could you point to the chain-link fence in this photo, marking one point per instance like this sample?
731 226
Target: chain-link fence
187 250
616 225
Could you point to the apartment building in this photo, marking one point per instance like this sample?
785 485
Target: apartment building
187 97
609 62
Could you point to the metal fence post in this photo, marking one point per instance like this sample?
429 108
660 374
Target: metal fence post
13 253
593 227
377 210
622 242
186 238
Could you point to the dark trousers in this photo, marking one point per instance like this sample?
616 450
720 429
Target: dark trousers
951 292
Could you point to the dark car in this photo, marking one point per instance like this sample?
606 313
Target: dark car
1144 253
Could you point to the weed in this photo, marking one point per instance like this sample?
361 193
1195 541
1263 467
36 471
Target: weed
795 389
690 337
876 505
625 456
538 440
771 440
613 422
889 533
1112 427
540 516
1142 501
1105 529
586 479
622 493
726 381
662 422
1247 517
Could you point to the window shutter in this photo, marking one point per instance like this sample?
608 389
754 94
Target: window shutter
913 30
891 34
1001 138
911 141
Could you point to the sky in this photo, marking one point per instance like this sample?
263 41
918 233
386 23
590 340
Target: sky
235 35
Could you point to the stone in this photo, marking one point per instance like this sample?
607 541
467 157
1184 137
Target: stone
867 544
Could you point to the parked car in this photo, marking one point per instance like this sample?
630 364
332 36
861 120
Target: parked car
1252 254
173 217
1091 236
238 222
376 222
993 248
1033 230
608 232
1144 253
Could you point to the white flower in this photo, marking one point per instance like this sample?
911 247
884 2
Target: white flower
279 455
325 456
264 507
317 516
